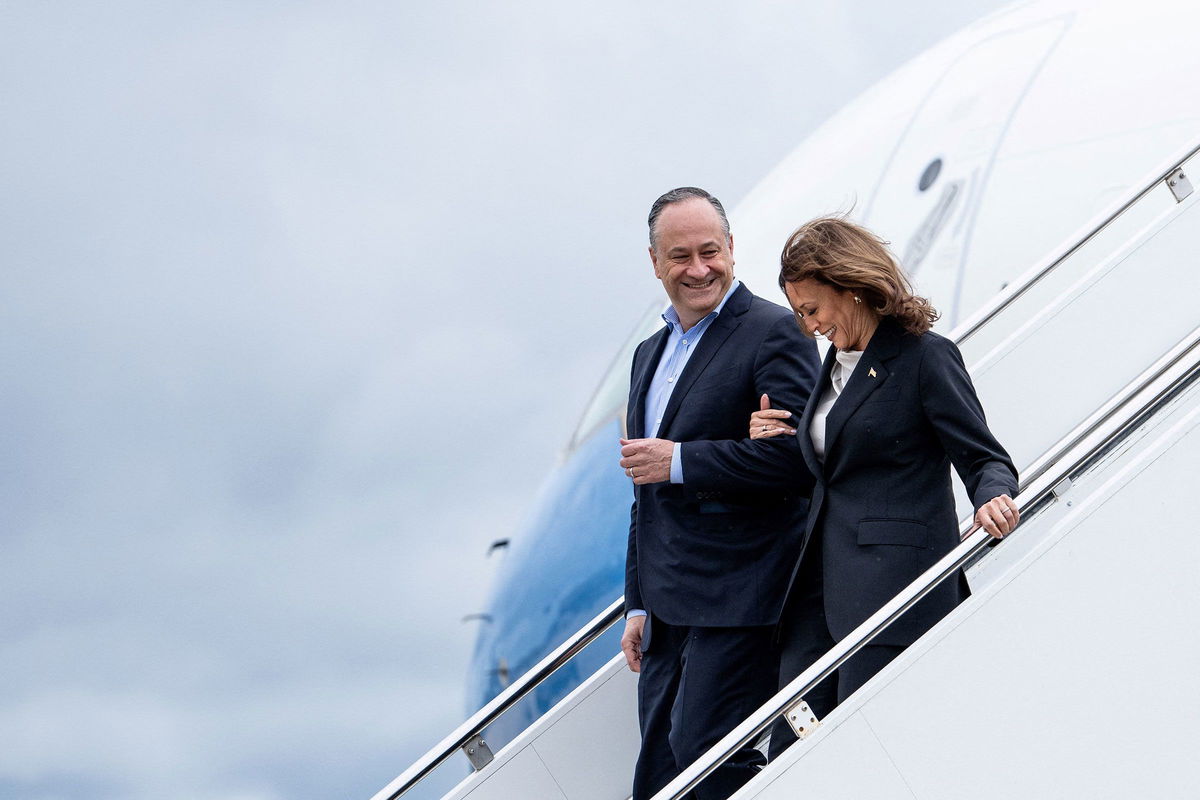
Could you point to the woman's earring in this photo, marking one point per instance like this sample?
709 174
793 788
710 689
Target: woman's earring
857 299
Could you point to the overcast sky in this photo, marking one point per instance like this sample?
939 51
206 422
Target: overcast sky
300 301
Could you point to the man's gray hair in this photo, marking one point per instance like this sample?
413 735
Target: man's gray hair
678 196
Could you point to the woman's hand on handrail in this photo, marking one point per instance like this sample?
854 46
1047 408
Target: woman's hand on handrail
768 422
997 516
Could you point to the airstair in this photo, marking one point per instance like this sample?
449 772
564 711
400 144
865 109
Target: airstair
1074 668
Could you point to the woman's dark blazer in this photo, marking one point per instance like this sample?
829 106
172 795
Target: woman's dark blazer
883 501
883 504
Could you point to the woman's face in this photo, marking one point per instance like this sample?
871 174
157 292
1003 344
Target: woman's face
828 311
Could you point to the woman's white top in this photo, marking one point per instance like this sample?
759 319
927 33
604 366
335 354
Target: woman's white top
839 376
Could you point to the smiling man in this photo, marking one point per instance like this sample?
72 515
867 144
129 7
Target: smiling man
706 572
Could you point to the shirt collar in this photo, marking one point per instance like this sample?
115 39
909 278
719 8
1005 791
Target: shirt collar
671 316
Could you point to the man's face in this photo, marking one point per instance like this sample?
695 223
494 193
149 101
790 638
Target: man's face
693 258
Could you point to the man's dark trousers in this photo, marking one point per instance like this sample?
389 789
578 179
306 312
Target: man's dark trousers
712 567
696 685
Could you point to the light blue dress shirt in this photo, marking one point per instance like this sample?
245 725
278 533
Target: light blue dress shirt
679 348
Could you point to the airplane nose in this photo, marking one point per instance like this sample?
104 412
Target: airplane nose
564 566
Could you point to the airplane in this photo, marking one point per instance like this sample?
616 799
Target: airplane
978 159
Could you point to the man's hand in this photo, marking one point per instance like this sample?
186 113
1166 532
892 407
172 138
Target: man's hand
647 460
631 642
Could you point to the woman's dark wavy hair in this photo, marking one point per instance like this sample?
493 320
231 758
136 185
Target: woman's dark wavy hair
847 256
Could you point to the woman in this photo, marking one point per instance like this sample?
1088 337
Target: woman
892 410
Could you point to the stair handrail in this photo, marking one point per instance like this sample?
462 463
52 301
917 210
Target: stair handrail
474 725
1156 385
1090 230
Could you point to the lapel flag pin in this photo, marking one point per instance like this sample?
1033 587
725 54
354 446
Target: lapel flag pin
871 372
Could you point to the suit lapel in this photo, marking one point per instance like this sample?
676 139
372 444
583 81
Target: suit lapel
642 375
725 324
868 376
810 409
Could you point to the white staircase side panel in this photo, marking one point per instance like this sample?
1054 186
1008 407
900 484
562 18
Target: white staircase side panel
582 749
1141 216
524 775
1075 674
999 562
1062 364
1094 339
876 777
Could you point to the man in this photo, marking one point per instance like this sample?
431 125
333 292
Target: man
706 572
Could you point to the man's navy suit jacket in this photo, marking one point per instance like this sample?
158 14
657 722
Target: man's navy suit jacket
883 501
720 558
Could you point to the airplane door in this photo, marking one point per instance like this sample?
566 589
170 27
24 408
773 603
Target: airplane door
927 197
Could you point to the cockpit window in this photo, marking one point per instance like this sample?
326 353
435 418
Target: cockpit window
613 392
